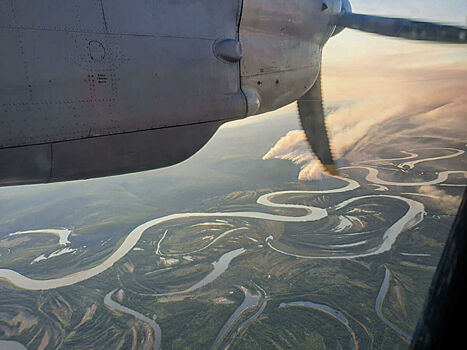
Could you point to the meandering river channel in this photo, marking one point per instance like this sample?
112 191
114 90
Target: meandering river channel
329 311
413 216
379 307
112 304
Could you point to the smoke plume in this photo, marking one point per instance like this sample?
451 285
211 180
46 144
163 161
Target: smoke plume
441 200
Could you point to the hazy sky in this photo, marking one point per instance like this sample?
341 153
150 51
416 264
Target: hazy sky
449 11
371 59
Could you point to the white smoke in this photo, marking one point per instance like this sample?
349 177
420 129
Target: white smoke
441 200
294 147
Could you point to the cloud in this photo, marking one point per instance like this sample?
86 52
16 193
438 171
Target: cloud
441 200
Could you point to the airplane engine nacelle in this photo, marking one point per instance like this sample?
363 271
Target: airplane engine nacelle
282 43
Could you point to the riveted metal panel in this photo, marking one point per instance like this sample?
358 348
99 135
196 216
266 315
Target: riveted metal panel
69 15
278 89
183 18
146 82
7 17
53 73
13 71
73 85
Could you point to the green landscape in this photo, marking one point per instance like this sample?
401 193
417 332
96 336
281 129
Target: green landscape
272 277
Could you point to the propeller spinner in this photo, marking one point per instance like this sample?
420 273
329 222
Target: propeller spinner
310 105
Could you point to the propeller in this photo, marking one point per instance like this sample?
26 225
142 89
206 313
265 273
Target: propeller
402 28
311 112
310 105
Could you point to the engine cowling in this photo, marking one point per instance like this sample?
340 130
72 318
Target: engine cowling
282 43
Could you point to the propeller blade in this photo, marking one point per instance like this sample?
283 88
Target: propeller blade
310 110
403 28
